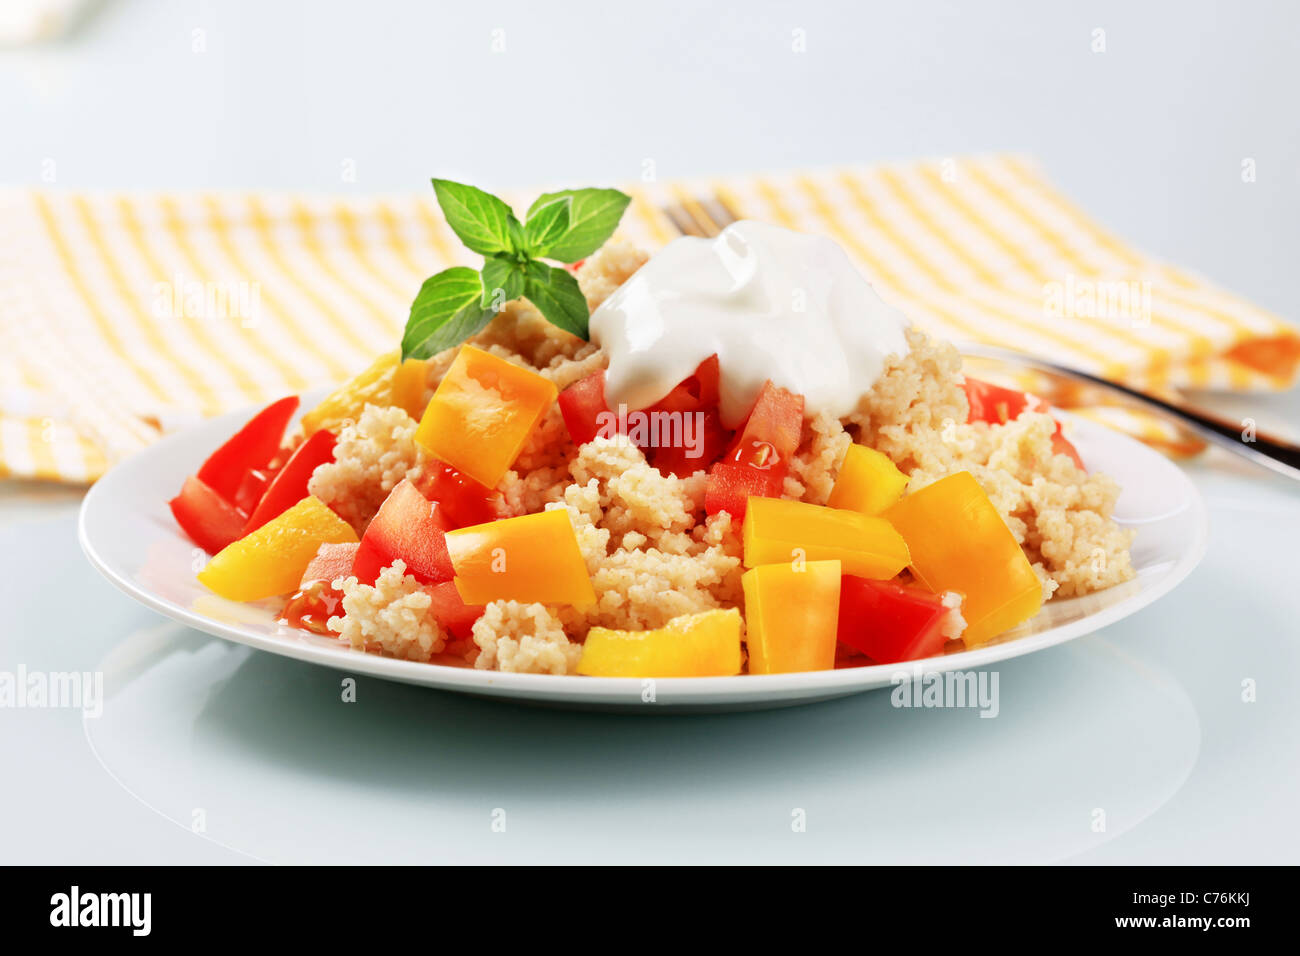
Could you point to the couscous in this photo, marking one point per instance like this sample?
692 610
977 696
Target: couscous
474 515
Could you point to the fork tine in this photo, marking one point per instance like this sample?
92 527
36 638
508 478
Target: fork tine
703 216
682 221
719 210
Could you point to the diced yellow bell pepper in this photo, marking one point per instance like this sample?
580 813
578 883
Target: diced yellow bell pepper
272 559
959 542
532 558
791 615
693 645
409 383
482 413
868 482
777 531
345 404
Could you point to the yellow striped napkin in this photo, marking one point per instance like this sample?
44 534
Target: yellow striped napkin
123 316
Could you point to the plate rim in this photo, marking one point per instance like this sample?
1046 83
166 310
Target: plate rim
810 685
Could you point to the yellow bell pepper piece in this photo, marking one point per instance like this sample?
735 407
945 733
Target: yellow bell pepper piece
777 531
532 558
791 615
345 404
482 413
272 559
959 542
868 482
693 645
408 386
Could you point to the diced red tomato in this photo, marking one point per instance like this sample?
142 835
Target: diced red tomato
289 486
332 561
581 405
1063 446
997 406
451 612
697 394
252 487
759 457
461 500
709 442
889 622
253 446
993 403
210 520
311 607
408 526
699 390
771 433
731 485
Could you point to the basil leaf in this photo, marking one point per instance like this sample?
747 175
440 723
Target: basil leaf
446 312
503 280
556 294
593 217
481 220
545 225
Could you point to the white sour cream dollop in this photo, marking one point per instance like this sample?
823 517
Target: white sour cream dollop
771 302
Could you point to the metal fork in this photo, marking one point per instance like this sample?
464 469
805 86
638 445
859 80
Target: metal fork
708 215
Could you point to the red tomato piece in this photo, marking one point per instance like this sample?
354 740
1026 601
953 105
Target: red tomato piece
773 429
706 447
451 612
581 404
253 446
997 406
699 390
1063 446
731 485
210 520
462 500
289 486
311 607
759 457
332 561
993 403
408 526
889 622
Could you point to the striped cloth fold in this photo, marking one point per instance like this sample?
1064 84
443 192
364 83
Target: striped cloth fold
125 316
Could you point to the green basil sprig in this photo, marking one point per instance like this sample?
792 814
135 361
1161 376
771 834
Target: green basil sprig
562 226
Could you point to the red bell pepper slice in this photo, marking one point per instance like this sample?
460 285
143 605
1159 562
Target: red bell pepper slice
889 622
210 520
451 612
581 405
997 406
253 446
461 500
252 488
408 526
289 486
332 561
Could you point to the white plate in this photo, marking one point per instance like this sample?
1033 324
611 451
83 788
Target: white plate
129 534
